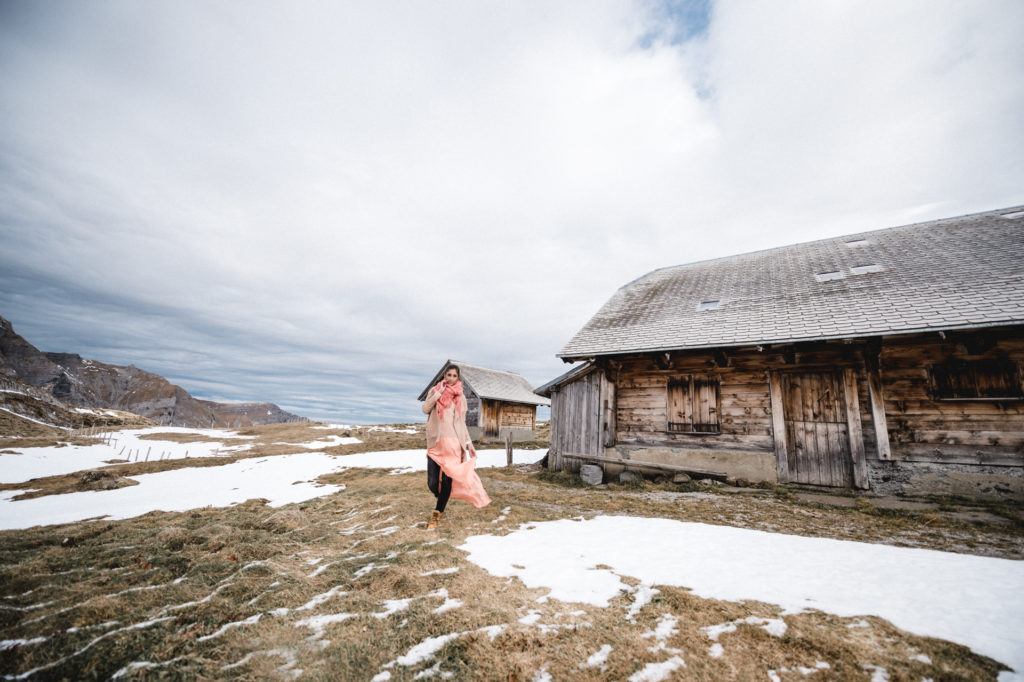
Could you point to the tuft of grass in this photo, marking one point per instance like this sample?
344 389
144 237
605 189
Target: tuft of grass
564 479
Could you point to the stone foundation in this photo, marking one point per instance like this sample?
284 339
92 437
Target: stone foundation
933 478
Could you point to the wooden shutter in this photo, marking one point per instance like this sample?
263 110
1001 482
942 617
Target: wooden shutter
705 399
976 380
693 405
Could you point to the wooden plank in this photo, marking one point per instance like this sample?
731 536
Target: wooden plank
878 420
695 442
610 410
958 454
597 396
839 442
793 409
854 429
652 465
602 419
778 428
805 387
1012 439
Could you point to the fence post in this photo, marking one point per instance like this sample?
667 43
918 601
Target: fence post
147 453
508 449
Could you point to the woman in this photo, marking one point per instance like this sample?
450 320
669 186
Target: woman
451 457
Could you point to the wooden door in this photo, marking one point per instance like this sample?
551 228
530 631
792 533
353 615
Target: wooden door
489 416
817 431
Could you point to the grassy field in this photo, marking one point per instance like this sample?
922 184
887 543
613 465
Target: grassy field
351 587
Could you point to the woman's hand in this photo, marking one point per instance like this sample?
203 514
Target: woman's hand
471 450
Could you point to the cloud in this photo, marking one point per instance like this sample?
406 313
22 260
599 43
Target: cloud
285 202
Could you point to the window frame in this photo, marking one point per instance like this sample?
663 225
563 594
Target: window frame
689 383
941 378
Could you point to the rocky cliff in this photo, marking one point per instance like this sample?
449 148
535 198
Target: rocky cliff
77 381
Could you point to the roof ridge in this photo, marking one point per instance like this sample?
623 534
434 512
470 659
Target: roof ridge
489 369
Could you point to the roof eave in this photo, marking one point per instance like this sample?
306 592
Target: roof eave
570 357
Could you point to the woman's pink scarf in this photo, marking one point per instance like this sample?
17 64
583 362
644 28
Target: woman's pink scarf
450 395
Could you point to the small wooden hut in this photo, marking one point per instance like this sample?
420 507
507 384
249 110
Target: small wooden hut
888 360
498 403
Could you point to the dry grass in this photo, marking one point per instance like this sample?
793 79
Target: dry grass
183 579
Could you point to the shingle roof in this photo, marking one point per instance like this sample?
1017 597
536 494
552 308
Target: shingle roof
946 274
492 384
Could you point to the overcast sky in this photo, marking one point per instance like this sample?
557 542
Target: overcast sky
317 203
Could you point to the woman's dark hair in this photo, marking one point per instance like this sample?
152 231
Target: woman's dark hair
452 366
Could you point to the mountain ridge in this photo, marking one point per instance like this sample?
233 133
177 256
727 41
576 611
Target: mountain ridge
82 382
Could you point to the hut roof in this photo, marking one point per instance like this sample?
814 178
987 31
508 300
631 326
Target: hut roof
492 384
955 273
574 373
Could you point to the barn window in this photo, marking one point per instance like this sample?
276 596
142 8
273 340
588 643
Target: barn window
827 276
977 380
707 305
865 269
693 405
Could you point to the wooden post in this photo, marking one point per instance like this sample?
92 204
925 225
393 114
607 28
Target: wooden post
779 427
148 451
877 399
608 404
508 448
860 467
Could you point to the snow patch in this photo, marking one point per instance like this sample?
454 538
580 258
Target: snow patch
983 597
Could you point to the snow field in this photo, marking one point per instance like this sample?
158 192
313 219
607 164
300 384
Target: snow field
316 613
981 604
29 463
280 479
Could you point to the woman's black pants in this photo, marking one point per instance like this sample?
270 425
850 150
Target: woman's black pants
439 484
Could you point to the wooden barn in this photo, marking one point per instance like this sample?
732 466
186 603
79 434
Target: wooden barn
497 403
888 360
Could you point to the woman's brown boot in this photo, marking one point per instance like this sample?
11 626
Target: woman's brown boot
435 518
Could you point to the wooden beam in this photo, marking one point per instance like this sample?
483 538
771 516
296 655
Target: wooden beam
942 453
779 428
602 414
878 420
608 409
860 466
650 465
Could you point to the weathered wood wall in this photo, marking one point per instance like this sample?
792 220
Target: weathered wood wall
885 384
498 418
517 416
922 429
745 406
576 421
